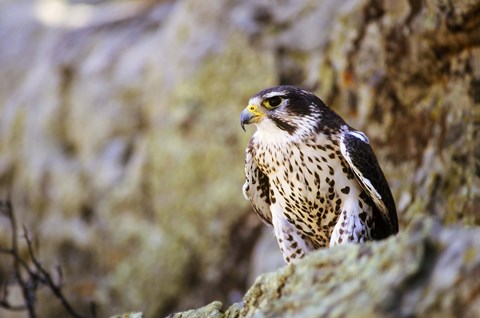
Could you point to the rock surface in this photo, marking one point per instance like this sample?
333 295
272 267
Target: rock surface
121 147
427 271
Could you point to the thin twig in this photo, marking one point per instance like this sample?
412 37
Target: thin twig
56 289
28 277
6 250
17 263
5 304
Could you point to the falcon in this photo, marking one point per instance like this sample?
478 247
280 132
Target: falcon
311 176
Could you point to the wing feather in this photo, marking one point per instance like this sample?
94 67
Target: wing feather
257 188
361 159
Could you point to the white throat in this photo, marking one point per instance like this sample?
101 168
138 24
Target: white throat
268 133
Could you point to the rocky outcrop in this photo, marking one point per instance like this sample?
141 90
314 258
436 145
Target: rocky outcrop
427 271
121 147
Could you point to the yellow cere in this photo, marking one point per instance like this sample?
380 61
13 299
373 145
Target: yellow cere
254 109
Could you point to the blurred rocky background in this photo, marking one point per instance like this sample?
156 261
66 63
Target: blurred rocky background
121 148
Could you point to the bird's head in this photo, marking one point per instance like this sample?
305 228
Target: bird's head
286 108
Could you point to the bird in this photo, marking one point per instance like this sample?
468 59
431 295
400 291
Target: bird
311 176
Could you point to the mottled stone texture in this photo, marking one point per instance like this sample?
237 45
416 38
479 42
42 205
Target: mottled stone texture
427 271
121 147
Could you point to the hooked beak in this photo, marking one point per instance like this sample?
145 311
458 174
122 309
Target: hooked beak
250 115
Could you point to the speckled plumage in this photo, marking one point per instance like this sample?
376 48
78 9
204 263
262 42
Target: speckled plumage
311 176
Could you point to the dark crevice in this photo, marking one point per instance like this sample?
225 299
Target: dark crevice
87 213
233 271
127 153
371 12
461 22
416 281
475 90
66 74
289 72
244 234
191 280
415 9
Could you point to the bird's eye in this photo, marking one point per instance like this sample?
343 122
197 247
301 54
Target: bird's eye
273 102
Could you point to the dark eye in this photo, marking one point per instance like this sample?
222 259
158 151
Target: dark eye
273 102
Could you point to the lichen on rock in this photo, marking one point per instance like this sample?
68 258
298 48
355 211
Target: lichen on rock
121 147
426 271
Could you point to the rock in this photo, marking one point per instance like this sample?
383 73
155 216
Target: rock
121 147
426 271
129 315
129 171
213 310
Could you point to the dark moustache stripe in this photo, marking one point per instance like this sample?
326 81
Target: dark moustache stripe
284 125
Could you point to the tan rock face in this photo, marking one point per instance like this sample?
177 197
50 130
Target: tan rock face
120 141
